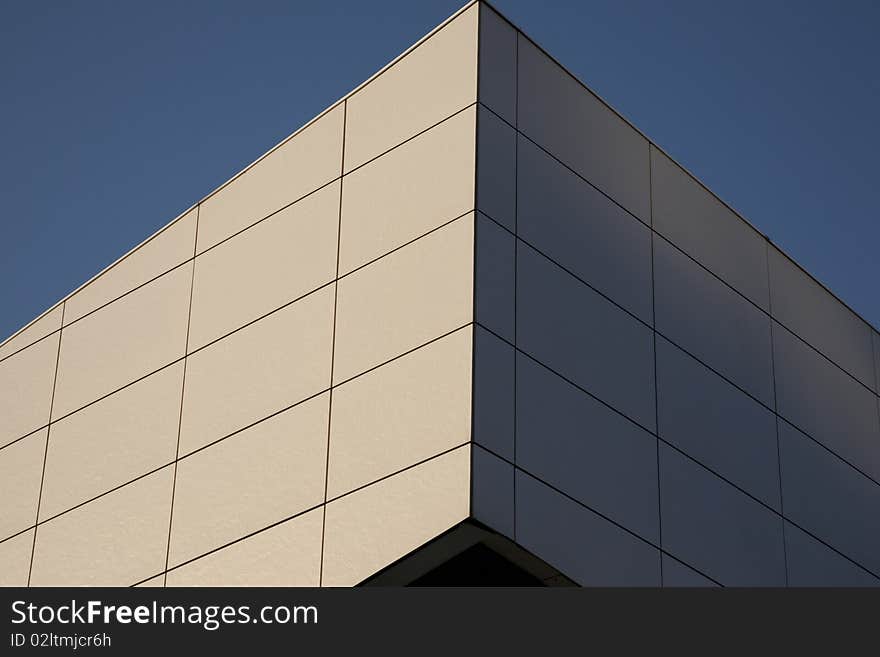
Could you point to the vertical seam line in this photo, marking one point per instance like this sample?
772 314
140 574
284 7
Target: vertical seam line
474 255
182 393
776 411
876 370
876 362
46 447
333 347
515 256
654 339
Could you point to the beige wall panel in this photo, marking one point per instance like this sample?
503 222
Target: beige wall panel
377 525
116 540
108 444
50 322
21 467
288 554
409 191
267 366
15 559
124 341
26 381
405 299
401 413
154 582
264 474
171 247
433 81
282 258
301 165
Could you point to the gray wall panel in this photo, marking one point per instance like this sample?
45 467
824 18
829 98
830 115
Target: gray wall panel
494 277
493 410
586 450
699 224
676 574
572 329
718 425
876 338
806 308
828 498
497 64
496 168
810 563
584 546
711 321
817 397
556 111
583 230
492 491
717 528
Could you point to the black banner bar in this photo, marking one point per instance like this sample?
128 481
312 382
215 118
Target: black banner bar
133 621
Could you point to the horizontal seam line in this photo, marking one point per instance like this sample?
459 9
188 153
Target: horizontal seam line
268 216
412 137
651 543
656 433
647 430
174 221
384 69
239 233
242 429
556 159
683 349
101 273
592 510
654 231
140 286
387 67
17 533
565 166
303 512
652 143
29 345
242 327
334 180
20 438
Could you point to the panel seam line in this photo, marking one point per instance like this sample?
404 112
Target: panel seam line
46 448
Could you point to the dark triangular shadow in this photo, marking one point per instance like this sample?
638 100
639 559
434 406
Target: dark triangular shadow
469 554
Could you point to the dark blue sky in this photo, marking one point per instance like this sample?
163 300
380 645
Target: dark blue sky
116 116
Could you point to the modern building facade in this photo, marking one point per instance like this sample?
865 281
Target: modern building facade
468 309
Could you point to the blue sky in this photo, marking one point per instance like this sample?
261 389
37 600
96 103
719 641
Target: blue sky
116 116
